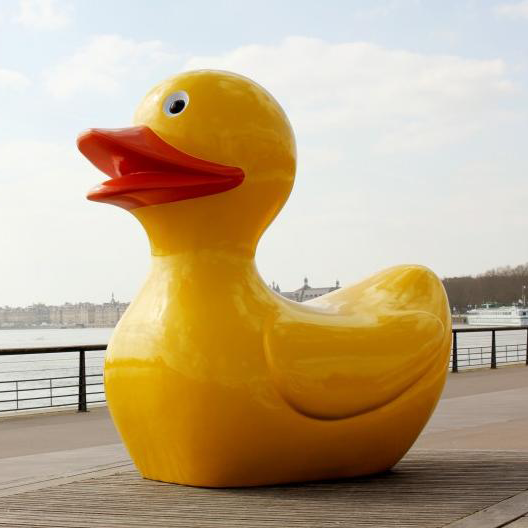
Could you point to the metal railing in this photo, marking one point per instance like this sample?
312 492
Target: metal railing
83 388
77 389
492 355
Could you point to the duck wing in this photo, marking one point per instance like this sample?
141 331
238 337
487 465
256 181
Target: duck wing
358 348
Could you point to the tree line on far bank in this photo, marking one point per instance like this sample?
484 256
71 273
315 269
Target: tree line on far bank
500 285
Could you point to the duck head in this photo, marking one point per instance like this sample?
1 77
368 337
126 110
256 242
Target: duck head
209 162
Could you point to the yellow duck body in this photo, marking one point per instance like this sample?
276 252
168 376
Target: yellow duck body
212 379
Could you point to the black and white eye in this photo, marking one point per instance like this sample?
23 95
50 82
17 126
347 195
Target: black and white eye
176 103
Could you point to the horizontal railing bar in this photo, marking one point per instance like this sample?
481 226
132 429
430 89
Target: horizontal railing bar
41 370
521 346
44 360
44 407
54 405
89 348
49 360
49 369
475 351
47 379
37 379
489 329
47 387
50 350
69 362
47 398
30 399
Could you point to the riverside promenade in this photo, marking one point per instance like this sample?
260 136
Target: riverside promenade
468 469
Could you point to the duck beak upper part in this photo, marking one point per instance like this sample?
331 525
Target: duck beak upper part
145 170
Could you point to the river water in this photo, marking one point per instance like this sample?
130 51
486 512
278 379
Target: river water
474 349
43 367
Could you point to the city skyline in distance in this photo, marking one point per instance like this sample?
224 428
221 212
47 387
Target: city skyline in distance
107 314
113 298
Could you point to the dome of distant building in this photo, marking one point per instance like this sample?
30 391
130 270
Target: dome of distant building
306 292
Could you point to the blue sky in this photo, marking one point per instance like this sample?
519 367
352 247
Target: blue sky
410 116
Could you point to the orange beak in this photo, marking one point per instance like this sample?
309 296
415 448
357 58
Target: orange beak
144 170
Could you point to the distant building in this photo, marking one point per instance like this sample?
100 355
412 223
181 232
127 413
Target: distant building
305 292
66 316
108 314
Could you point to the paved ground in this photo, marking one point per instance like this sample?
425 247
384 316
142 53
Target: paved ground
482 409
55 431
479 381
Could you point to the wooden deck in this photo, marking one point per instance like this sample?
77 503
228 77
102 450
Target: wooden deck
427 489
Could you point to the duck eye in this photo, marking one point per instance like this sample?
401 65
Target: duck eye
176 103
177 106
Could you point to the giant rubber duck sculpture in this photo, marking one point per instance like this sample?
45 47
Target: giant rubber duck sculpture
212 378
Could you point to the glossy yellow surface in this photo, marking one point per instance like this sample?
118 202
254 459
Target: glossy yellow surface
213 379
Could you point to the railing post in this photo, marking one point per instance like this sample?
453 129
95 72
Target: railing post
493 351
527 347
454 366
82 383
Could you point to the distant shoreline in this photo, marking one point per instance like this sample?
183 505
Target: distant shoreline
53 327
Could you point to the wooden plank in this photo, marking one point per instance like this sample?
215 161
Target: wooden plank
519 523
428 489
498 515
31 484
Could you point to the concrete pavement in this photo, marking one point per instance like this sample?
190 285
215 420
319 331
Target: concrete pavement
55 431
481 409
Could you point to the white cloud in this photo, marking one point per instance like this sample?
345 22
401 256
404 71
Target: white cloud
410 100
43 14
513 10
13 80
103 64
